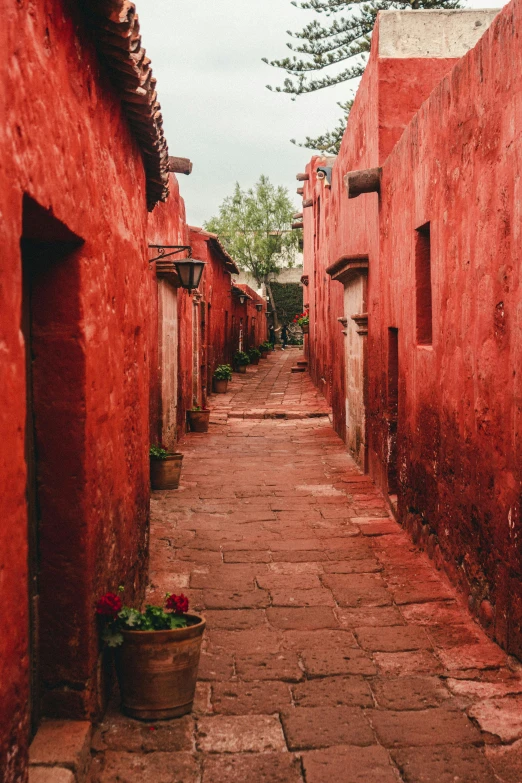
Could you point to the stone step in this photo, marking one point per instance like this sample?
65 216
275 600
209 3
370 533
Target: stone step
302 363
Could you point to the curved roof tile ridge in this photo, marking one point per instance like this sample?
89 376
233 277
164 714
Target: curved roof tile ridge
117 37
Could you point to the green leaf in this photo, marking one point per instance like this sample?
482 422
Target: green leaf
112 637
177 621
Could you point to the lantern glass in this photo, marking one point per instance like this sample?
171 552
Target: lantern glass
189 271
259 307
242 299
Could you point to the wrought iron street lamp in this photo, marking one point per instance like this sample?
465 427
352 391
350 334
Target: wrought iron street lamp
189 269
242 299
259 307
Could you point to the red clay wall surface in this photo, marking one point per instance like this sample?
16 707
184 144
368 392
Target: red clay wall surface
450 194
166 226
255 328
391 90
459 428
67 146
209 324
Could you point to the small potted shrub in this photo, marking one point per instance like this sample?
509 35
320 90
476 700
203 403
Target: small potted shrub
269 346
165 467
156 654
240 361
254 355
263 351
222 375
303 321
198 418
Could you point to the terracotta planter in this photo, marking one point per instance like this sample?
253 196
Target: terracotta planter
305 328
241 368
255 360
220 386
198 420
165 473
264 354
157 670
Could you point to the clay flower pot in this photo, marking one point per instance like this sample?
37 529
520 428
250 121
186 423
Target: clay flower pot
241 368
165 473
198 420
305 328
157 670
264 354
220 386
254 360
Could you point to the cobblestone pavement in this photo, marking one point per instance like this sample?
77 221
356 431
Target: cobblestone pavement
335 651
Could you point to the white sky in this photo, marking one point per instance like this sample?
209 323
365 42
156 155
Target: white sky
206 56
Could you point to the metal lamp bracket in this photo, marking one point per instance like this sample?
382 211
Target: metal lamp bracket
174 250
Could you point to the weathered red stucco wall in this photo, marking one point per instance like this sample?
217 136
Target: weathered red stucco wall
459 428
255 328
65 143
166 226
209 321
455 166
390 92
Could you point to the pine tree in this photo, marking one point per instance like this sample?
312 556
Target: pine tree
344 42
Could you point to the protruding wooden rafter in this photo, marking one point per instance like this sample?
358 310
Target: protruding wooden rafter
309 202
302 177
180 165
363 181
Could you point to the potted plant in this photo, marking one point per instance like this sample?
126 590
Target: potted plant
156 654
269 346
240 361
254 355
222 375
198 418
165 467
303 321
263 350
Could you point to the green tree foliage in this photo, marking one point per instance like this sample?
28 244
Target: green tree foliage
255 227
338 49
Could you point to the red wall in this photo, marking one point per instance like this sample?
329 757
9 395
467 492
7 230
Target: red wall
219 314
390 92
166 226
255 324
456 165
65 143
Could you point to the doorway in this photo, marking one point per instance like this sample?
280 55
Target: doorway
54 373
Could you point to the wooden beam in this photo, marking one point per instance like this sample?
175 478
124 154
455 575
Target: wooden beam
298 216
302 177
300 191
363 181
180 165
297 225
309 202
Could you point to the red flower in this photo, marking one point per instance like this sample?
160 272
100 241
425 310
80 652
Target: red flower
178 603
109 605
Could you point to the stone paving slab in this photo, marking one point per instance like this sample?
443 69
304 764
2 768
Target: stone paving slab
335 651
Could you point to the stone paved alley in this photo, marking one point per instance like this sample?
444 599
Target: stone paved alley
334 651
